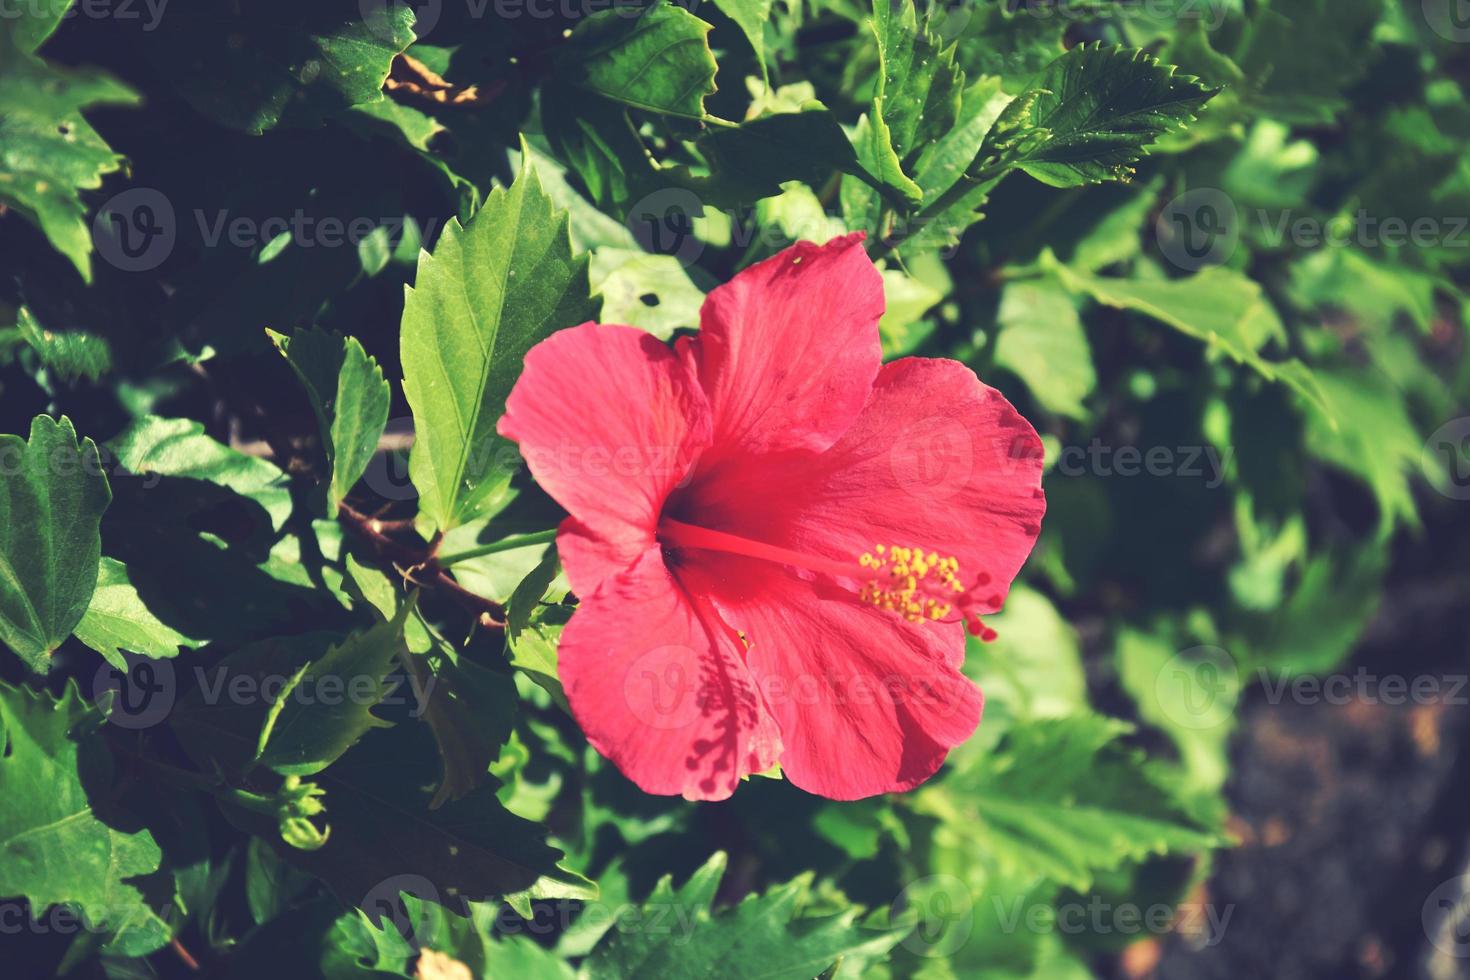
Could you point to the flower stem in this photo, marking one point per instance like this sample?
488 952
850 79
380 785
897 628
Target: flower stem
504 544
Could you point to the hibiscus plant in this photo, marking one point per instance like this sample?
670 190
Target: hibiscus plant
692 488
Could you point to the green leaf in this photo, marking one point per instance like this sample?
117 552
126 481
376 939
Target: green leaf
754 159
1042 342
1062 798
48 152
658 61
1033 668
277 62
916 97
766 936
52 495
315 727
28 27
350 397
1189 699
533 629
751 17
487 293
1093 113
378 800
69 353
653 292
179 448
1335 599
1218 306
56 847
468 707
1365 429
118 621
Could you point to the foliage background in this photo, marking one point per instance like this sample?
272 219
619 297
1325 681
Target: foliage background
1230 296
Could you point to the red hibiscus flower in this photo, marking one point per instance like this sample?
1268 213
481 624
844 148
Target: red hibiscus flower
776 537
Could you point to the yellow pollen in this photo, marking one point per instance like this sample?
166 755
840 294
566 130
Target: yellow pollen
915 584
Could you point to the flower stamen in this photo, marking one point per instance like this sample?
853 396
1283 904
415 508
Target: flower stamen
920 586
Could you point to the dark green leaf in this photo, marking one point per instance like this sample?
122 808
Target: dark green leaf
350 397
55 846
52 495
487 293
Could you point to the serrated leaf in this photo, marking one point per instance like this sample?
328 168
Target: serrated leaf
48 152
487 293
350 397
69 353
658 61
52 496
766 936
1061 798
916 96
315 729
55 847
1093 113
1042 341
118 621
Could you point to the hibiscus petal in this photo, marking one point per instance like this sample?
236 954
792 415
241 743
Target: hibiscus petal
788 349
866 702
937 460
609 420
656 680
